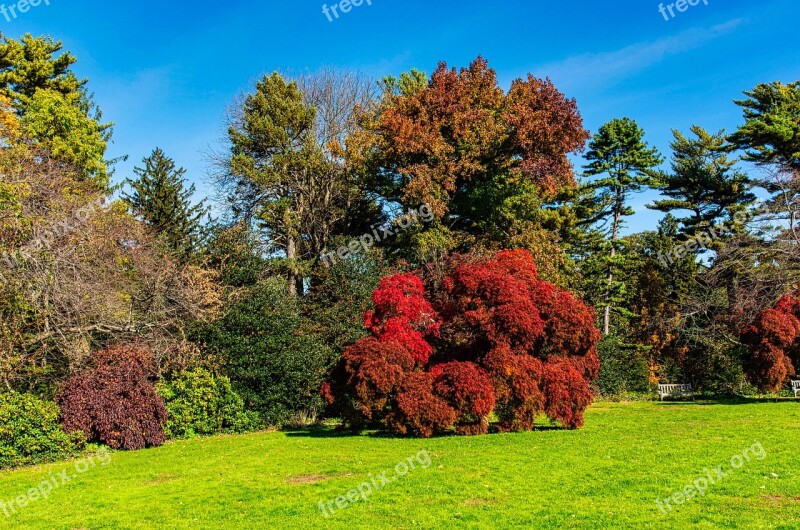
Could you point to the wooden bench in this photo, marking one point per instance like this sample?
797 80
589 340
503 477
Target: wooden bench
674 391
796 387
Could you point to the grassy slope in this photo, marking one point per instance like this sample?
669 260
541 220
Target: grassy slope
606 475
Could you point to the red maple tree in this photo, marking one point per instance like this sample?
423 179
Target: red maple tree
774 342
490 337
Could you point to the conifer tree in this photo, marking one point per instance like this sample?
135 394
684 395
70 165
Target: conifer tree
703 181
53 105
161 199
622 159
771 132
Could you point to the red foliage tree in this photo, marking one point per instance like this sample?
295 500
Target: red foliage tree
491 337
366 379
461 128
774 342
403 314
115 402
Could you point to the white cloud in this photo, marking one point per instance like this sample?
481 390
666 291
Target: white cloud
594 69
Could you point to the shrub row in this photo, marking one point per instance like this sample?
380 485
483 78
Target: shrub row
30 432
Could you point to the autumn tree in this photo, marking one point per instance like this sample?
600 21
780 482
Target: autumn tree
774 342
445 353
620 160
486 160
78 272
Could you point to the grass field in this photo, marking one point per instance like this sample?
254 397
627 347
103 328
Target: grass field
607 475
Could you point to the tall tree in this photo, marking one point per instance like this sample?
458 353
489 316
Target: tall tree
771 132
288 166
620 154
484 159
160 198
770 137
53 105
704 181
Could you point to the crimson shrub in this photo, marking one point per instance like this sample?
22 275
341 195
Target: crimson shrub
115 402
774 342
489 337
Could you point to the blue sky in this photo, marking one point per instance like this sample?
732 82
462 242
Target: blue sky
165 71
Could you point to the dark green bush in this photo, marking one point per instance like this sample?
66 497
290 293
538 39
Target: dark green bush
272 359
623 368
718 369
30 432
341 294
198 403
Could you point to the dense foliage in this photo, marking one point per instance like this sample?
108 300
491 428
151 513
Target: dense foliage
489 337
623 368
200 403
272 363
30 432
114 402
441 325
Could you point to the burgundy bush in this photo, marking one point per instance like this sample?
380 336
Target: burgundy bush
368 375
489 337
774 341
115 403
467 389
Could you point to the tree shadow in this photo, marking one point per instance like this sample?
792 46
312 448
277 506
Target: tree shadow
328 431
731 400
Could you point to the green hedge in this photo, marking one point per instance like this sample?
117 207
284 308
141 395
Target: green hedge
30 432
623 368
198 403
274 360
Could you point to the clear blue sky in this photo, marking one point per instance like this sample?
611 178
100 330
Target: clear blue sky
165 71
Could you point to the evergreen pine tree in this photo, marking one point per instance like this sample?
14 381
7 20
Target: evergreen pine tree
620 156
704 181
161 199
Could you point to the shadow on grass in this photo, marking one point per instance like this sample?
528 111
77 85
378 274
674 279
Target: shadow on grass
327 431
731 400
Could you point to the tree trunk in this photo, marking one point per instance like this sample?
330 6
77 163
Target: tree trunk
295 279
614 235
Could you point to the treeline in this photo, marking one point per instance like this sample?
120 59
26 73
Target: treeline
245 307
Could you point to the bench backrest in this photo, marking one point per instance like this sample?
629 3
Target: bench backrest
677 388
795 384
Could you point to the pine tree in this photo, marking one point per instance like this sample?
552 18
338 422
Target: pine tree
53 105
161 199
703 181
771 132
620 153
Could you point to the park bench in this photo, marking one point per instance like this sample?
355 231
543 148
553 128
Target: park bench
674 391
796 387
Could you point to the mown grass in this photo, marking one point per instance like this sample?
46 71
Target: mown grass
607 475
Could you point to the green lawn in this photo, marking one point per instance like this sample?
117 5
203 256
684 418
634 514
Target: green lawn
606 475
